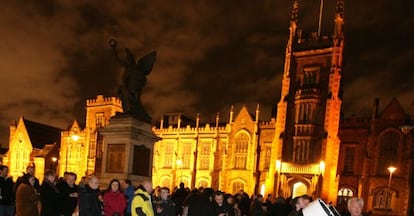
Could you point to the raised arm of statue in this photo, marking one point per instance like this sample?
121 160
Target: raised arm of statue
133 81
113 44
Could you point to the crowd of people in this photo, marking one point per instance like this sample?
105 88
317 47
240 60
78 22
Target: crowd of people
63 197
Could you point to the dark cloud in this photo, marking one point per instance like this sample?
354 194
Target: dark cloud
211 54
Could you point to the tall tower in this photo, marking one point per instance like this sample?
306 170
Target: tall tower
98 113
306 145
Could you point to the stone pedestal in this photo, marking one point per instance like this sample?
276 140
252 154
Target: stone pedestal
128 146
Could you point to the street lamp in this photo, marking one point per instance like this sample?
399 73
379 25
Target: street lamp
278 170
54 159
179 164
391 169
322 166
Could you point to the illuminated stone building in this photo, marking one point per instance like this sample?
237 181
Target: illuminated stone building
31 143
83 147
369 146
293 154
78 149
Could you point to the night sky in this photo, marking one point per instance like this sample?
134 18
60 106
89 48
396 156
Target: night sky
211 54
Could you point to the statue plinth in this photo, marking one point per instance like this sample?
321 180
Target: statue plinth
127 149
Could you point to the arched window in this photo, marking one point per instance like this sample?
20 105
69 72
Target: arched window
240 151
168 156
204 155
202 183
299 189
382 199
301 151
343 195
237 186
165 182
187 155
388 151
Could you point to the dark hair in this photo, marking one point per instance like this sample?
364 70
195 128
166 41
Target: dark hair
219 193
2 167
72 174
127 181
294 201
165 188
26 178
227 195
110 184
49 173
307 197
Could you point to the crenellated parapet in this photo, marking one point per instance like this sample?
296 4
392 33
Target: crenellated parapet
189 129
267 124
312 41
101 101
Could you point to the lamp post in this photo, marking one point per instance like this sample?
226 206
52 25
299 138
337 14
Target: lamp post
54 160
278 167
179 164
391 169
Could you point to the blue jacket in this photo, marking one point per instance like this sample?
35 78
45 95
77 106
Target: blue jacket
129 194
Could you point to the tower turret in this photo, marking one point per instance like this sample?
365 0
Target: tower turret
307 120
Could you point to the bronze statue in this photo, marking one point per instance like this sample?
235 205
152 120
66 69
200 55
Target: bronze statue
133 81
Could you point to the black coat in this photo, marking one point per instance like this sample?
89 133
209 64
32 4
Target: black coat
7 193
89 203
166 207
225 208
48 197
199 205
67 204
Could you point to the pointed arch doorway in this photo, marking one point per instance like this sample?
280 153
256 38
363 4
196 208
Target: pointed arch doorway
299 189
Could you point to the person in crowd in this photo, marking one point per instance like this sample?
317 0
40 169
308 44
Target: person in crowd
26 197
220 206
142 204
68 195
49 194
114 201
163 205
269 200
304 201
63 178
244 203
198 203
29 171
90 199
355 206
6 192
82 182
298 203
256 208
233 202
178 197
129 191
296 207
156 192
279 207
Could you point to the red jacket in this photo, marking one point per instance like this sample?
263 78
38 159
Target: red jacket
114 202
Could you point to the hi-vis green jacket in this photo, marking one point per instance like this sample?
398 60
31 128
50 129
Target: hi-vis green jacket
141 204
